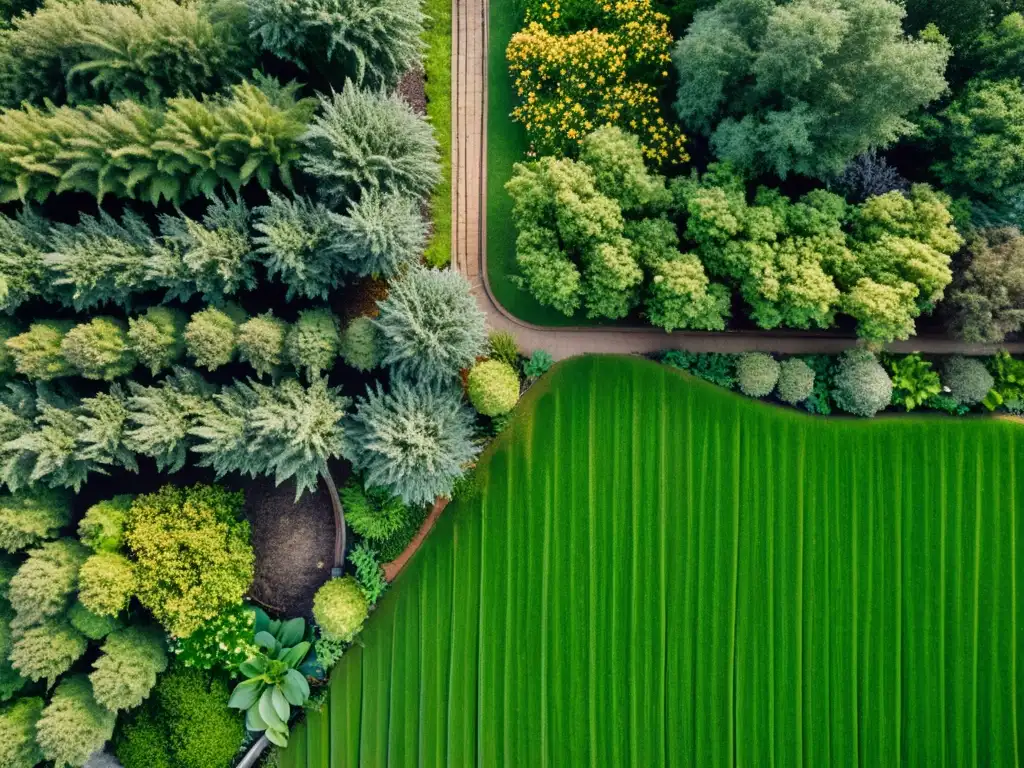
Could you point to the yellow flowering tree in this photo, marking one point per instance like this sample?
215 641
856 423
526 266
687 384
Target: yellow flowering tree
572 84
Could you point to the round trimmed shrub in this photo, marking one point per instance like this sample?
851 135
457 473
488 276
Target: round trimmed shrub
106 583
99 349
313 342
340 608
47 650
125 673
18 748
211 337
102 527
493 387
373 513
37 352
92 625
861 385
157 337
30 517
757 374
201 730
796 381
73 726
360 344
261 342
967 379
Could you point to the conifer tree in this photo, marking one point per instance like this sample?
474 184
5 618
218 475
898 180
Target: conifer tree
382 234
313 342
99 349
162 416
157 337
261 343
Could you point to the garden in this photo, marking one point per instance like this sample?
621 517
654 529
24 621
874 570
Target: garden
848 167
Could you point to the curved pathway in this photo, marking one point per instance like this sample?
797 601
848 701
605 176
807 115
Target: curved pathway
469 240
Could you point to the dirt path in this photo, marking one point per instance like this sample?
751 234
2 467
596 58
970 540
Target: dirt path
469 239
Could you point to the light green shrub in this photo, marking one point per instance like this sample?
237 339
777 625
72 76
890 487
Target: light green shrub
18 748
8 330
223 642
796 381
757 374
142 741
73 726
45 581
211 337
37 352
340 608
92 625
261 342
106 583
157 337
125 673
373 513
313 343
47 650
493 387
360 344
99 349
30 517
203 732
102 527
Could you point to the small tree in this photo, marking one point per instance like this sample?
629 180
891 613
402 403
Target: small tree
126 672
757 374
30 517
103 438
493 387
102 527
413 441
261 343
360 344
340 608
37 352
431 325
157 337
211 336
382 234
106 583
162 417
986 301
313 341
296 242
99 349
74 726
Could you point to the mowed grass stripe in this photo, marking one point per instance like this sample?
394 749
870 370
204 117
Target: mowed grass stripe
657 572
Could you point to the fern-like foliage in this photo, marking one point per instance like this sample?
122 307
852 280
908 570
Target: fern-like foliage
161 417
90 51
431 325
296 240
23 271
369 139
185 147
371 41
414 441
382 234
104 435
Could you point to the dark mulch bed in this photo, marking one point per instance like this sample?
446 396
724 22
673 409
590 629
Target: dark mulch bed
413 90
294 544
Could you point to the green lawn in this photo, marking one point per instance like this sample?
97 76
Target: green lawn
659 572
437 65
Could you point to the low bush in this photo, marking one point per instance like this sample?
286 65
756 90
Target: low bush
340 608
261 343
223 642
211 336
99 349
538 364
503 346
360 344
47 650
493 387
796 381
313 343
126 671
967 380
757 374
142 742
31 517
92 625
73 725
106 583
37 352
202 732
913 380
861 385
18 748
373 513
102 527
710 366
157 337
393 546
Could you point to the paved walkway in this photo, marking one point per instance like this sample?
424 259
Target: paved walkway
469 239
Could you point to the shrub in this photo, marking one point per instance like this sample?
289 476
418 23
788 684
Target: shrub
37 352
796 381
382 234
211 337
8 330
191 146
157 337
98 52
142 742
360 344
540 362
47 650
107 582
30 517
967 380
369 574
202 731
913 381
711 366
373 513
18 748
296 240
313 342
372 43
757 374
390 548
73 726
99 349
681 296
125 673
102 527
503 346
413 441
45 581
92 625
223 642
986 301
868 175
431 325
861 386
192 553
161 417
567 100
369 140
261 342
340 608
493 387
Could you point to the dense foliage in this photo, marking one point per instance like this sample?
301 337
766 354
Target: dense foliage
340 608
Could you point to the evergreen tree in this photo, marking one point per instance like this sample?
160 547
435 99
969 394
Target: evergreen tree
74 726
31 517
37 352
104 435
361 344
211 336
45 582
125 673
157 337
296 241
24 241
261 343
162 416
382 234
312 344
18 748
47 650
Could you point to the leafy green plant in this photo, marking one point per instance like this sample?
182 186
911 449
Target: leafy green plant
913 381
273 683
18 748
369 573
1008 381
92 625
503 346
538 364
126 671
861 386
796 381
223 642
73 725
967 380
106 583
373 513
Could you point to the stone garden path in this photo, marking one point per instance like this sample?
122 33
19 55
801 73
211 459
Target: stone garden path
469 240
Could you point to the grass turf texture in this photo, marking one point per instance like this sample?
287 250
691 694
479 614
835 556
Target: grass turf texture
659 572
437 65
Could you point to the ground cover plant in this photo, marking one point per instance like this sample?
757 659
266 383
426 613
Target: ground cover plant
656 507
